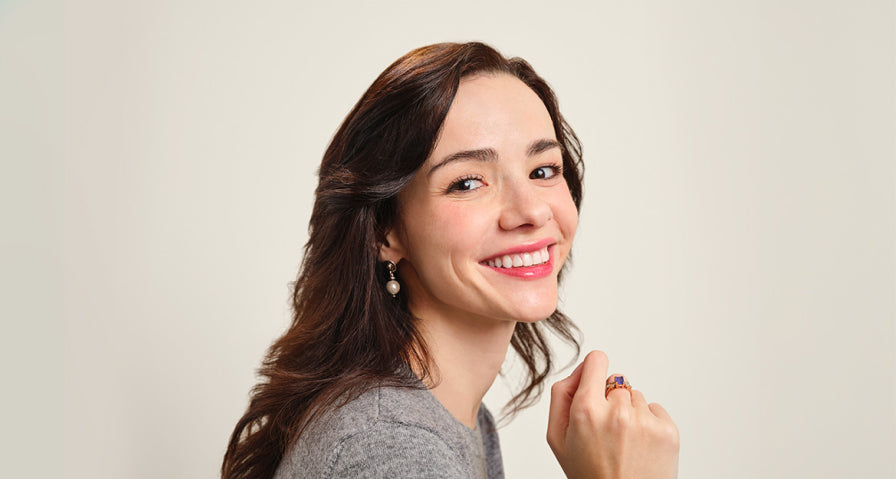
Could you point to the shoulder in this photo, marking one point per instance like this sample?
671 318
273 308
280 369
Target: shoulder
385 432
391 449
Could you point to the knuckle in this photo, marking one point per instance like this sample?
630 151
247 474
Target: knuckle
666 434
557 388
583 415
672 436
620 419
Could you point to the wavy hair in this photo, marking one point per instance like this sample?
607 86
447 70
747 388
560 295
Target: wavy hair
347 334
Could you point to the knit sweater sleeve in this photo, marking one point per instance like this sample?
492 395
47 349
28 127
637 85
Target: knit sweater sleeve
387 450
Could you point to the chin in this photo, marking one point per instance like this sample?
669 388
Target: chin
534 320
532 304
535 312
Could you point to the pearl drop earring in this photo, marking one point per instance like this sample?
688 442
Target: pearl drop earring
392 286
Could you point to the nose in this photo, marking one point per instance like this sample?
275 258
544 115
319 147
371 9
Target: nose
522 206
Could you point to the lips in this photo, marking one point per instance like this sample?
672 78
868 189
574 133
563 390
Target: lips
517 260
533 260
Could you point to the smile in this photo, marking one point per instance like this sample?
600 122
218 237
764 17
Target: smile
520 260
532 261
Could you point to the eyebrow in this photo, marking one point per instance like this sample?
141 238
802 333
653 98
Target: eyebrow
543 145
490 155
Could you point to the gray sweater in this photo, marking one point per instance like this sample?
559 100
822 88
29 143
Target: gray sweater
392 432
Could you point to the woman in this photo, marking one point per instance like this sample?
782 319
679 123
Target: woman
446 208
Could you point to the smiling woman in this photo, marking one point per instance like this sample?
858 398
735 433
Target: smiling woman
457 167
502 196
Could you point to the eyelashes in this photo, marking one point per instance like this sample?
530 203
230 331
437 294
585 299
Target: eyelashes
469 183
540 173
465 183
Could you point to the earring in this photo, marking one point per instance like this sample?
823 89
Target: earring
392 286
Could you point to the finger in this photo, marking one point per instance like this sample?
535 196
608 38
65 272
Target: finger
576 375
593 385
638 399
659 411
563 391
561 398
619 396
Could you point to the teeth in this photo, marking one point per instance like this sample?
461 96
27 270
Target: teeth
520 260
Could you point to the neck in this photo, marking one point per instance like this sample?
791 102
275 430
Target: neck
466 356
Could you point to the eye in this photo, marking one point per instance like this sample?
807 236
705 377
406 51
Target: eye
467 183
545 172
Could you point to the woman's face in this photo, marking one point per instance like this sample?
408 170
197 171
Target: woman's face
487 222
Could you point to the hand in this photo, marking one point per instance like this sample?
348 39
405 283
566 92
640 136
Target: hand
619 436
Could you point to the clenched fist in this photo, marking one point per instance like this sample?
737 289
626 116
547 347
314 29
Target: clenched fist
617 436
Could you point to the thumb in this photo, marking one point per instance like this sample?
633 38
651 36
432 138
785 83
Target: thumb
561 398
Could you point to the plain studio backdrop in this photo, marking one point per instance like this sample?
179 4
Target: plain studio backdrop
735 257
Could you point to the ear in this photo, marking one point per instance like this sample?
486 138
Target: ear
393 248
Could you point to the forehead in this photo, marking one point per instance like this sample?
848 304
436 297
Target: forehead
494 111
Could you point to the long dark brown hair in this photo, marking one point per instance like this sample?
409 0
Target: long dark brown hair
347 333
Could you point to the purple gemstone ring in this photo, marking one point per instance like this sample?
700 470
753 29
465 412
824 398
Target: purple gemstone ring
617 381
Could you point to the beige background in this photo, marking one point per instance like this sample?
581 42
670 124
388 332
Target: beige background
736 255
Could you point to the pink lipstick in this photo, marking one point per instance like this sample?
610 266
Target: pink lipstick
528 261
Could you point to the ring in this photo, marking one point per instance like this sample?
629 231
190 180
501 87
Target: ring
617 381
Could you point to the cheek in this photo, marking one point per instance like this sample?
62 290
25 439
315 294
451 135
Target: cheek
450 229
571 220
565 213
